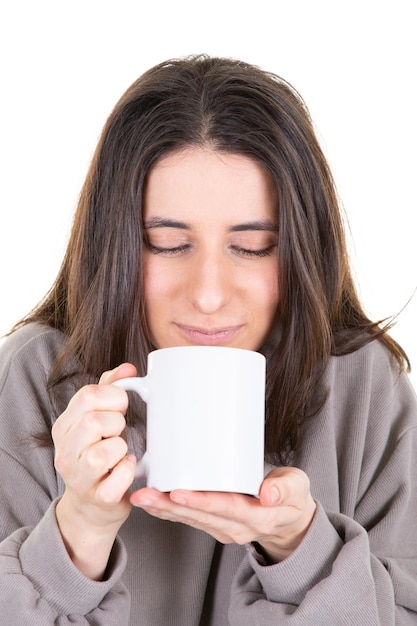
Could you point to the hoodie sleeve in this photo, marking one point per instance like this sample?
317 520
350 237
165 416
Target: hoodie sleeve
39 584
358 562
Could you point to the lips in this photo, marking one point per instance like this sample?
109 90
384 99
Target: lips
211 336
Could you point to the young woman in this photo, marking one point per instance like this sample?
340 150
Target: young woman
208 216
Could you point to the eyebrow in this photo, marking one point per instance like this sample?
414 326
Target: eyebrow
160 222
256 225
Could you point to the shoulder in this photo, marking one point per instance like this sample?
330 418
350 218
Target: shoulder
370 364
369 382
33 347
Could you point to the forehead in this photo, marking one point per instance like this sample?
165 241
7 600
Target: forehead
197 180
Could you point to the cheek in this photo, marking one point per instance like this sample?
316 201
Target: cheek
271 300
159 284
151 284
265 291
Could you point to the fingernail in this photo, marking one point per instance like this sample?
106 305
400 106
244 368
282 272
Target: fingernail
144 503
274 495
178 499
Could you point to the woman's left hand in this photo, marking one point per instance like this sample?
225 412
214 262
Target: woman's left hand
277 520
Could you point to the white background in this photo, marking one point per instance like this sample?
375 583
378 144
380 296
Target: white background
64 65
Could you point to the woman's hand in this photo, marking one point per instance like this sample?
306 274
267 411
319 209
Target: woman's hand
278 520
91 456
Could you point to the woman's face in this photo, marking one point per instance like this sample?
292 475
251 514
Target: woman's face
210 262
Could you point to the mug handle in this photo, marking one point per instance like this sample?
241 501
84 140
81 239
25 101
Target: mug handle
142 467
140 386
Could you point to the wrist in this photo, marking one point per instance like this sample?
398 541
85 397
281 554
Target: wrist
275 549
88 544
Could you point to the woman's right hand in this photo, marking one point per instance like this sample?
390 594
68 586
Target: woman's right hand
91 456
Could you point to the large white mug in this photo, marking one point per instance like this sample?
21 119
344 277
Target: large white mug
205 419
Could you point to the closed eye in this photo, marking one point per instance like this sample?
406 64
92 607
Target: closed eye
168 250
263 252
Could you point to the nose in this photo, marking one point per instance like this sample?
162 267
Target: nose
210 283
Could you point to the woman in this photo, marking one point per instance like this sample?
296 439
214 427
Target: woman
208 216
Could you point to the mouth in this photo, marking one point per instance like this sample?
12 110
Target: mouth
209 336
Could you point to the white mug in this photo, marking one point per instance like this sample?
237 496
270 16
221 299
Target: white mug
205 419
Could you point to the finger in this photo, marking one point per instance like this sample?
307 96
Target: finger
284 486
98 459
87 400
227 529
205 509
115 486
83 466
209 502
125 370
87 430
221 504
148 497
92 413
161 505
100 397
98 425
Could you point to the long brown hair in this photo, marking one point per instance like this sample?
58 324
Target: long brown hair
97 299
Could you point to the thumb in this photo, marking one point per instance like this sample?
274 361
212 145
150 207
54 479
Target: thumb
270 494
284 486
125 370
